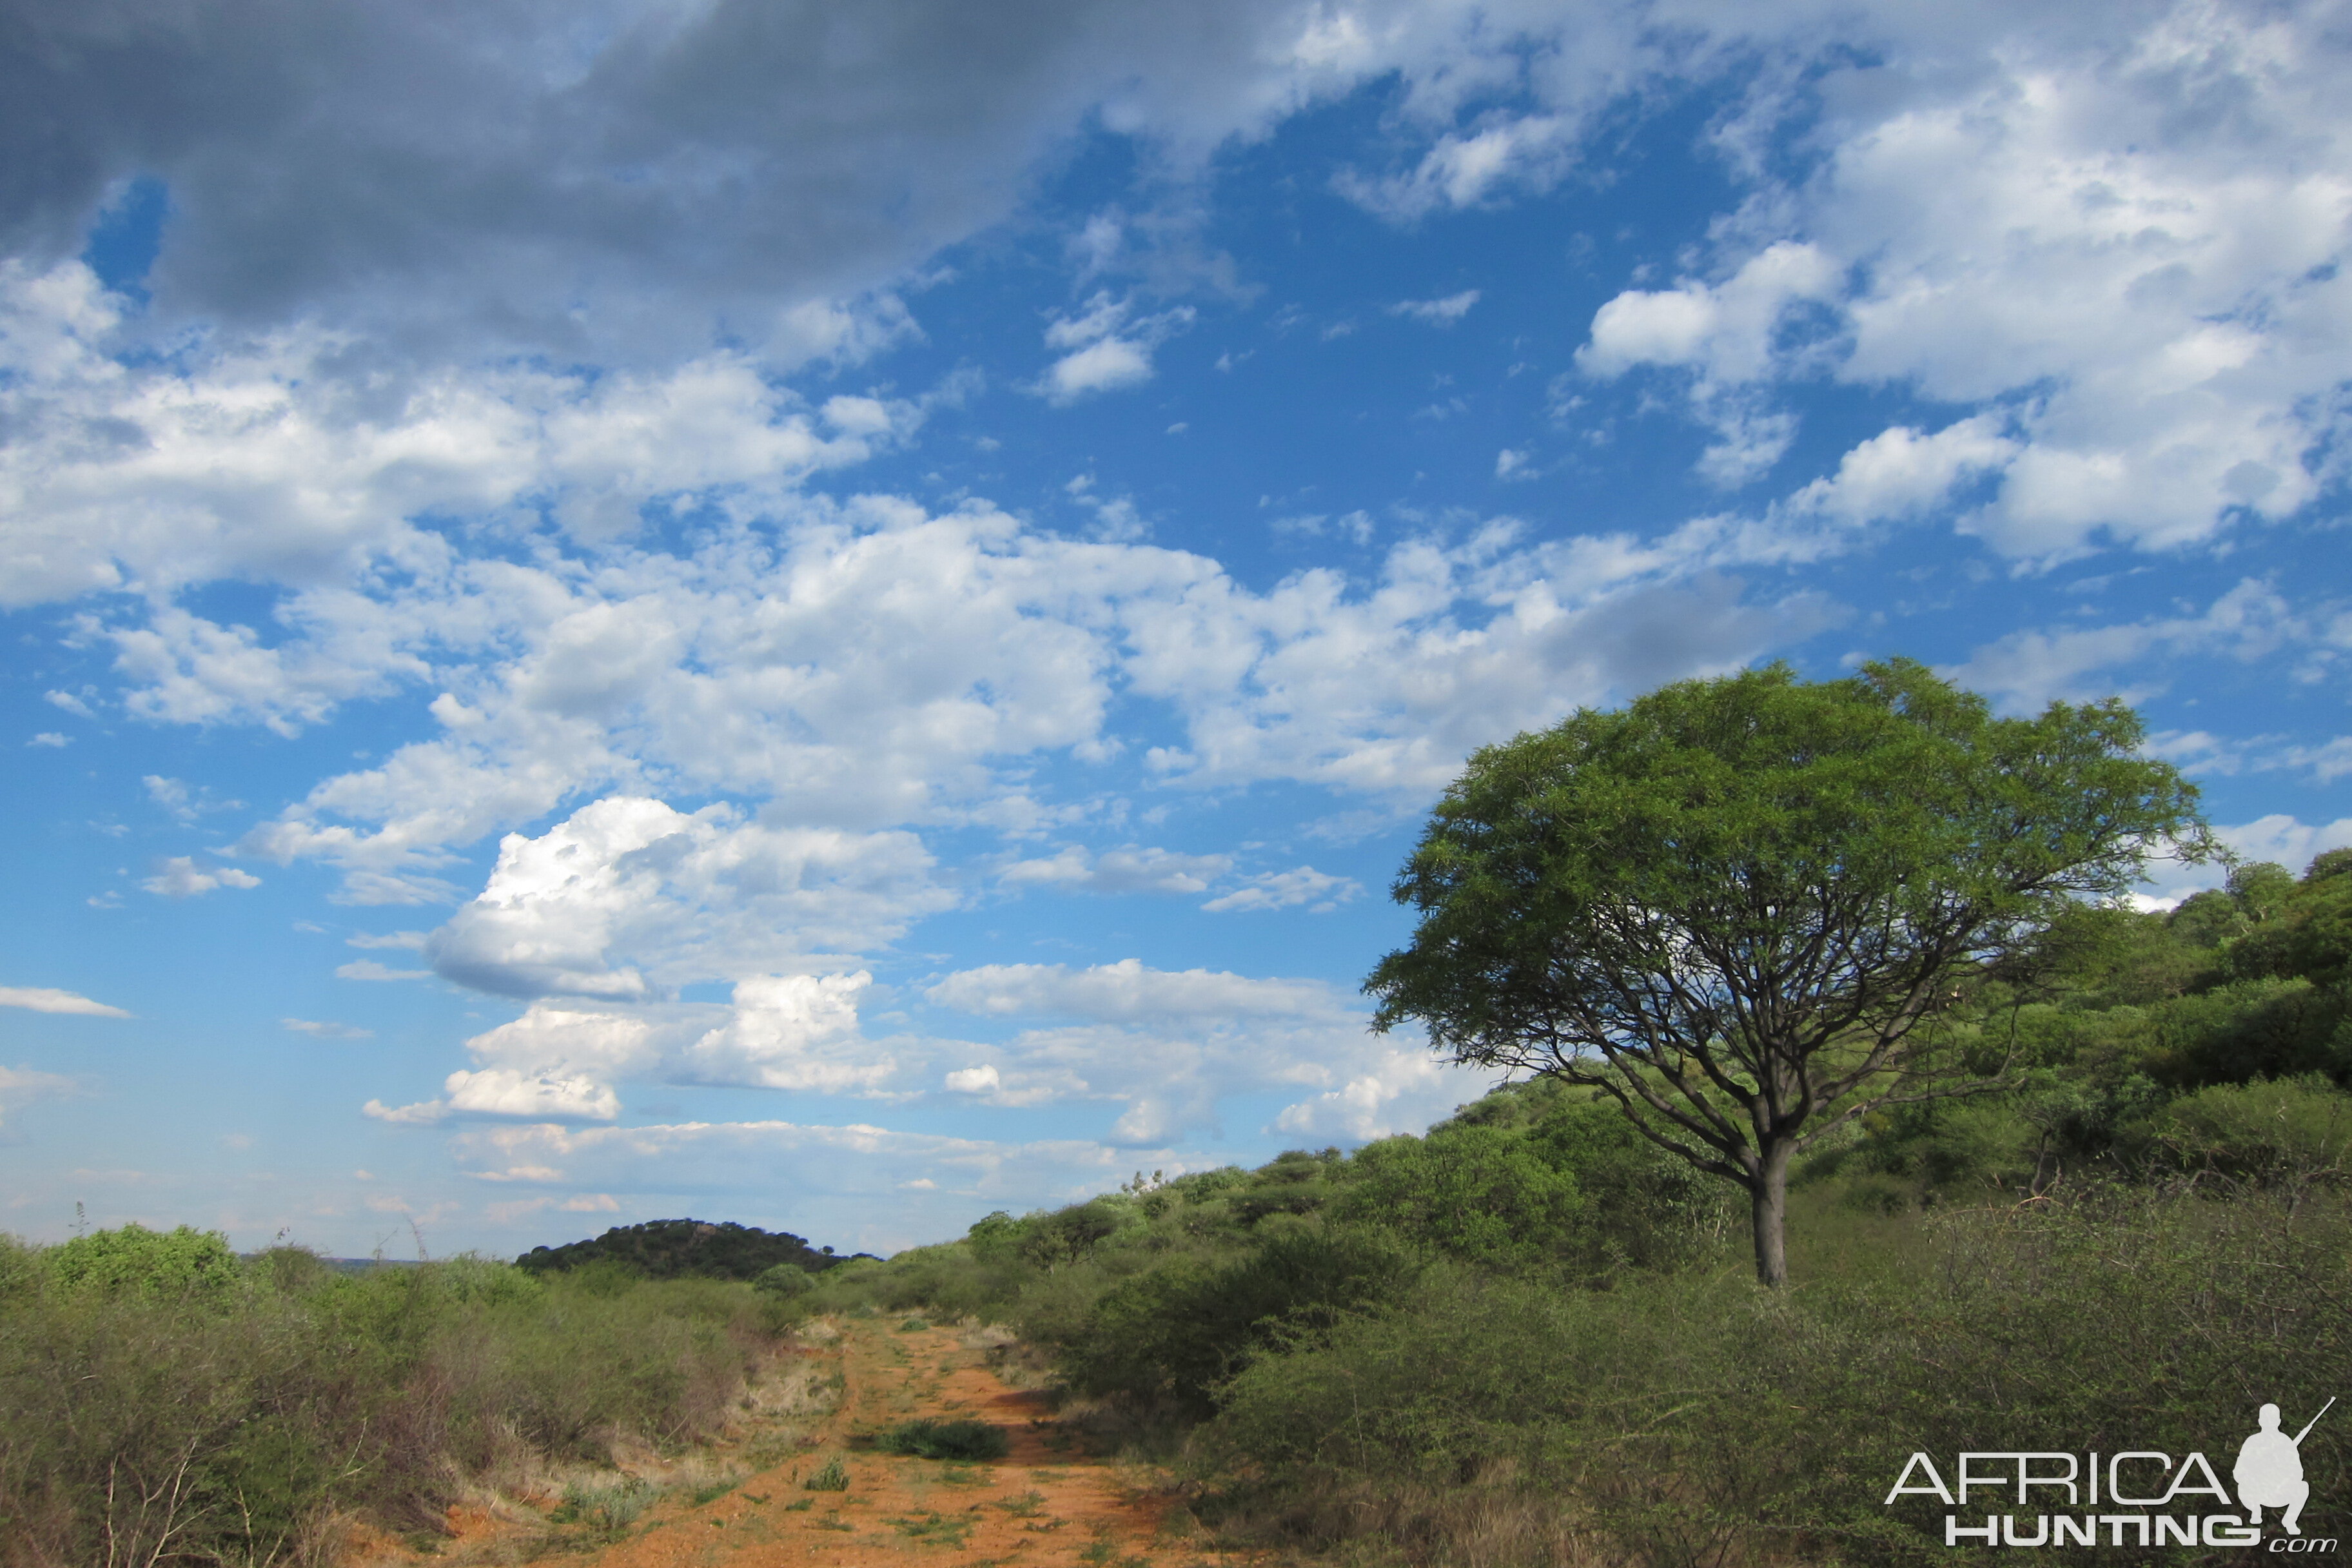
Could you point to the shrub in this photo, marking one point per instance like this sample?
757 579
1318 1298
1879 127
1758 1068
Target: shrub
783 1280
606 1511
682 1249
832 1476
2296 1130
1481 1194
1691 1418
1169 1334
156 1266
143 1397
937 1439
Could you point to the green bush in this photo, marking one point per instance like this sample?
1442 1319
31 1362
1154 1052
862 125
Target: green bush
141 1397
937 1439
606 1511
1691 1417
157 1266
1171 1333
2292 1131
784 1280
1482 1195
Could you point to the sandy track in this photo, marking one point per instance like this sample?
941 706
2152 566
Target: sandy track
1045 1505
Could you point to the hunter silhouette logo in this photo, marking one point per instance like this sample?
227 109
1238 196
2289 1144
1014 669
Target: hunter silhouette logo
2269 1471
2137 1498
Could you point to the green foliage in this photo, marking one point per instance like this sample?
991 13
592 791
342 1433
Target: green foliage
292 1270
1820 866
677 1248
783 1280
2293 1132
939 1439
1167 1335
182 1265
1690 1418
607 1511
22 1271
830 1477
1484 1194
142 1399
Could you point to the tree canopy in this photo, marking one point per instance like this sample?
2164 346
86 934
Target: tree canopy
681 1248
1736 906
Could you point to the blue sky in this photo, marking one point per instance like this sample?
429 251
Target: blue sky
840 618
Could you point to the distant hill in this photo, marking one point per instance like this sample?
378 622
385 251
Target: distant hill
676 1248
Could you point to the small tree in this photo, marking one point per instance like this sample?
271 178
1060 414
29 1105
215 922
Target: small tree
1736 905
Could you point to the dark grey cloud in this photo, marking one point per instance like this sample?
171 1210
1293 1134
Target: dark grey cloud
521 169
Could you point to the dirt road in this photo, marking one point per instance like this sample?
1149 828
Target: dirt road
1045 1505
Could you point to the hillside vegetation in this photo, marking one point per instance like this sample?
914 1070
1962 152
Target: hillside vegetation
163 1401
1525 1336
685 1248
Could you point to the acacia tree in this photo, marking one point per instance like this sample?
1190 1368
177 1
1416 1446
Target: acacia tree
1736 906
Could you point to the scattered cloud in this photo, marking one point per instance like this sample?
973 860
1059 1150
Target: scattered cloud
369 969
50 738
41 999
1131 869
421 1113
323 1031
2323 763
1106 347
628 898
1724 331
1127 992
2026 669
396 941
1442 312
1102 366
20 1087
179 876
1401 1091
1470 168
984 1079
182 803
1283 890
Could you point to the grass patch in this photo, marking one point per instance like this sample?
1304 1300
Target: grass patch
1028 1505
833 1478
935 1529
913 1326
935 1439
606 1513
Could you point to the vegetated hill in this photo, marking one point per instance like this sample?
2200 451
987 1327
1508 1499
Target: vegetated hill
678 1248
1531 1335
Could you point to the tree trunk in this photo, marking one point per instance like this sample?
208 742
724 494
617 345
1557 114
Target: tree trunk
1768 1214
